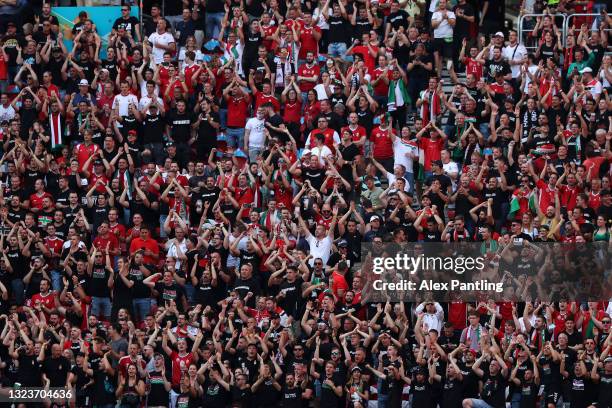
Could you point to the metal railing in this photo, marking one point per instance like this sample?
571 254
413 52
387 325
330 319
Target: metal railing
524 32
567 26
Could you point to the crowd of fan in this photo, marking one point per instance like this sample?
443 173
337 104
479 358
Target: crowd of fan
183 203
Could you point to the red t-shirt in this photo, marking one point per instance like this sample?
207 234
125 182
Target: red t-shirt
473 67
568 196
237 109
308 72
150 244
356 134
189 71
383 144
433 149
36 200
261 99
292 112
84 152
381 88
547 195
308 42
179 365
100 242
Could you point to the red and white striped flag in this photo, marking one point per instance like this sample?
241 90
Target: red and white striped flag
55 124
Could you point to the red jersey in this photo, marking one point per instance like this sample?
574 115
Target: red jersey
100 242
47 300
329 138
308 43
118 231
261 99
473 67
269 31
36 200
356 134
595 200
189 71
84 152
93 178
308 72
383 144
547 195
568 196
237 109
433 150
457 313
125 361
292 112
104 100
180 364
382 88
150 244
368 59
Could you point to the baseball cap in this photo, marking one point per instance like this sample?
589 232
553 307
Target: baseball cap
499 34
132 132
437 163
98 162
11 24
374 218
84 82
342 243
170 144
586 69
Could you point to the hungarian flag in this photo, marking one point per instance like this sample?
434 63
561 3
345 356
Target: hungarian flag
431 107
56 128
521 203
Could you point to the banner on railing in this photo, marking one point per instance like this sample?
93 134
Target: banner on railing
102 17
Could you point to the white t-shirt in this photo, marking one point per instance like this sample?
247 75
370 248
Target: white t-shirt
199 57
144 101
444 30
143 88
320 90
515 53
172 251
7 113
321 152
450 168
402 154
319 248
122 103
603 79
532 70
163 39
256 136
594 87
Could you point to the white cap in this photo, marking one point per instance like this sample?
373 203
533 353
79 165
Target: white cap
499 34
586 69
84 82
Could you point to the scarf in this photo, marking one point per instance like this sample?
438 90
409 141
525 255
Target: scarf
398 95
430 109
55 125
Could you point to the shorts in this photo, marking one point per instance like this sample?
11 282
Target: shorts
478 403
445 49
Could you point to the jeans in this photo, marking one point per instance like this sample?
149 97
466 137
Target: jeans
223 118
162 220
100 307
18 289
142 307
478 403
235 137
337 50
516 400
189 293
253 153
410 179
56 281
213 24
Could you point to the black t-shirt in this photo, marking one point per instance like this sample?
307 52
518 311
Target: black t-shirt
56 370
421 392
492 68
452 394
494 390
398 19
207 135
462 26
181 125
582 392
418 71
340 30
169 292
29 371
129 24
153 128
329 399
98 285
214 394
